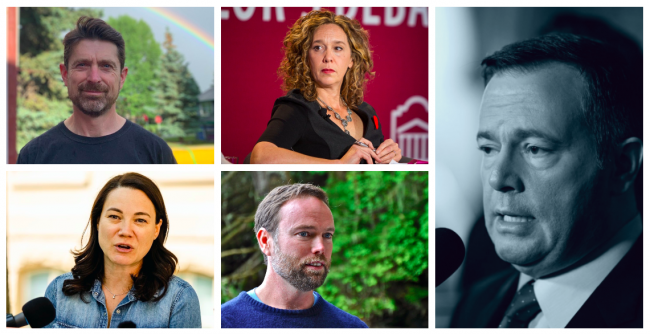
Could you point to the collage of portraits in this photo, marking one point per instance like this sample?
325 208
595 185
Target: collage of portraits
115 179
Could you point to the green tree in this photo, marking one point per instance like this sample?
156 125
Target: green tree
189 95
176 93
41 27
381 265
189 90
142 59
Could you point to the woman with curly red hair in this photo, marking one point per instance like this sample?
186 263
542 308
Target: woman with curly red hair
323 118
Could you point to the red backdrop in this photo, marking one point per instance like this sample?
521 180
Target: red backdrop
251 51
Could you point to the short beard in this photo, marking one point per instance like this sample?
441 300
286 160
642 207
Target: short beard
292 270
93 107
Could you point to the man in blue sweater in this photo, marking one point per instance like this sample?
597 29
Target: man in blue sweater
294 228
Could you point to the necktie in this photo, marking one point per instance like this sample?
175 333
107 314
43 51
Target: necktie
523 308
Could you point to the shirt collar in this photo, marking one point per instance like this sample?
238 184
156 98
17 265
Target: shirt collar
560 297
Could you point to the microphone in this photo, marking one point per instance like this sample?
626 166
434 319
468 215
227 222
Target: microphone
126 324
450 253
38 313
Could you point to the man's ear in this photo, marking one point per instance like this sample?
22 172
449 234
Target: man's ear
628 158
64 74
264 240
123 74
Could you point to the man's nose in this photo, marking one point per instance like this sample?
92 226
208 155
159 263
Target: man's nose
93 76
504 175
318 246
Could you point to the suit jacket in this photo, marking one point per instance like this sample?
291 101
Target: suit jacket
616 303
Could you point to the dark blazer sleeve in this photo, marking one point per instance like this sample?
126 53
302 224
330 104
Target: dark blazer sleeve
285 127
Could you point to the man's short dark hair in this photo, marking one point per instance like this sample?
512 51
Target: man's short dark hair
268 212
93 29
613 101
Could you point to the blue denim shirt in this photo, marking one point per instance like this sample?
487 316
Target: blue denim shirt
179 308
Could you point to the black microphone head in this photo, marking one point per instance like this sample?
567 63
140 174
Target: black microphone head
126 324
450 253
39 312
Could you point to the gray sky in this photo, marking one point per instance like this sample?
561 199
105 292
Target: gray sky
199 56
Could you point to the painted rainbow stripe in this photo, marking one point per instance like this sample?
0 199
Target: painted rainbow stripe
183 24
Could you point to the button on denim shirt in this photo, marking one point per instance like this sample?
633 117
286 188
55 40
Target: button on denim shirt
179 308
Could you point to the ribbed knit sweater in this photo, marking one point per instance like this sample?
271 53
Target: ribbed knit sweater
246 312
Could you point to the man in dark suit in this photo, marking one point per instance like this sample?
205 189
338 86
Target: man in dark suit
561 134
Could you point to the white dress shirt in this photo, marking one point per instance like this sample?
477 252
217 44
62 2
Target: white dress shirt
560 297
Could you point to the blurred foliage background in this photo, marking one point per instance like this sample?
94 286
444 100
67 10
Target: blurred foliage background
380 258
158 82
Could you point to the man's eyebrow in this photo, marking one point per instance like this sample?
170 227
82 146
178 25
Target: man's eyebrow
81 60
310 227
520 134
107 61
484 135
532 133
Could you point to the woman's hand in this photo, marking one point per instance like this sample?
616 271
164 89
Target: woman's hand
367 142
389 150
357 153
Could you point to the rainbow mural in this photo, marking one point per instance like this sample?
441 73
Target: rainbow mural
182 23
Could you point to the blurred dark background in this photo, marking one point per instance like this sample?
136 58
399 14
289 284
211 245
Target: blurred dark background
464 36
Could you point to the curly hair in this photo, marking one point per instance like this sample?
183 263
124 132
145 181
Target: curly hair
295 70
158 265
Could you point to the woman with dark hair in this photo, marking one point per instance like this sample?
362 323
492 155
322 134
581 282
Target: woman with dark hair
124 274
323 118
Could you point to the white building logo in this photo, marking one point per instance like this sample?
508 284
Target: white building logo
412 133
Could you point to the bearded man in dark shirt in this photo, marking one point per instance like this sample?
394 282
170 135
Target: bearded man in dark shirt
94 72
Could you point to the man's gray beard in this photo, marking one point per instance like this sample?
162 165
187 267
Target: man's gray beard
293 271
93 107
